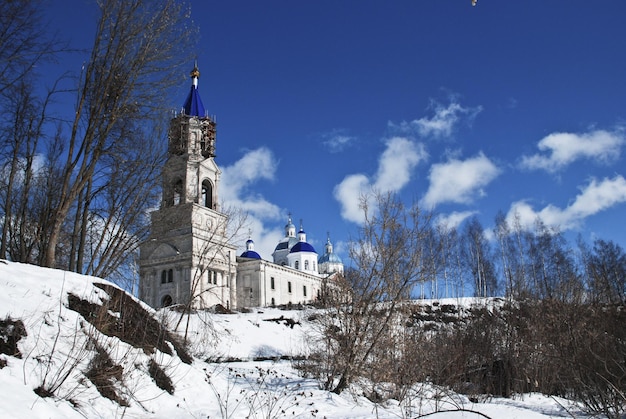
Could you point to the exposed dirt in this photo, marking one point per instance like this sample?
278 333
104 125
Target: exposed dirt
133 324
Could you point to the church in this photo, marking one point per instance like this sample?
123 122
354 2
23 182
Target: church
188 258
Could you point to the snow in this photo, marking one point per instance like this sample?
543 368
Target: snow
256 383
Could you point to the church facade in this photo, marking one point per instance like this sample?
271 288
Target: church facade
188 258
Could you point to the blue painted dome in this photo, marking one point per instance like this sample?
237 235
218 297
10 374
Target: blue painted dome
302 247
329 257
250 254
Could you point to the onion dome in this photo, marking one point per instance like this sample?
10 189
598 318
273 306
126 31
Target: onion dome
250 253
290 239
302 245
329 256
193 105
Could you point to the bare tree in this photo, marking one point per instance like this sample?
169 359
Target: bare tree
445 264
554 272
136 56
605 266
209 251
109 221
25 174
23 45
388 263
76 190
23 42
479 260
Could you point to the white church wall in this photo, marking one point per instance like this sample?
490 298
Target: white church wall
267 284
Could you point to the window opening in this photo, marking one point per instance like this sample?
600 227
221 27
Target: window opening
207 194
178 192
166 301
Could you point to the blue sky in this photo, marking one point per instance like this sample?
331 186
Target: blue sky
512 106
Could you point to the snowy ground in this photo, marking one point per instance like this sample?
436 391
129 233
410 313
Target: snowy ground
59 349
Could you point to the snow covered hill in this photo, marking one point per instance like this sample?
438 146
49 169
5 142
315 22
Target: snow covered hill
73 346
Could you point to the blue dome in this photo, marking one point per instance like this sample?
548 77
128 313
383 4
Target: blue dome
329 257
302 247
250 254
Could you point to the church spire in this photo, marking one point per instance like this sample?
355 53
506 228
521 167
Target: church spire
193 105
250 253
329 246
290 229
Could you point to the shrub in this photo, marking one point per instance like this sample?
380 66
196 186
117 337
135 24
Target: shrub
159 376
11 331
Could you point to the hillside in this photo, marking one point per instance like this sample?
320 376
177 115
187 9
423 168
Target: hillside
73 346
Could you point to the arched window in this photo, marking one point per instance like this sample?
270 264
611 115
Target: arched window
170 276
272 285
207 194
289 286
304 290
163 277
178 192
306 265
297 264
166 301
273 302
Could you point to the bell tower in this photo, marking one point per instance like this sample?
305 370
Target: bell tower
187 257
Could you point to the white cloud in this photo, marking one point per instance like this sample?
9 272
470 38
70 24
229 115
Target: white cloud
349 194
254 165
594 198
397 162
265 239
395 166
39 167
337 140
459 181
454 219
562 148
236 180
442 124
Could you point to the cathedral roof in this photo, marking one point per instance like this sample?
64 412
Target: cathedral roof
286 243
250 254
329 257
302 247
193 105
